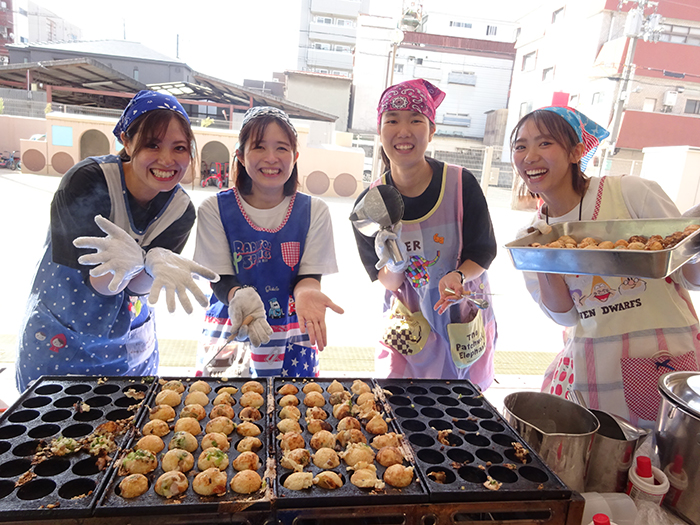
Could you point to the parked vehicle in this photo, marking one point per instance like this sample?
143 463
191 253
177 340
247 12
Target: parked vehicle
10 161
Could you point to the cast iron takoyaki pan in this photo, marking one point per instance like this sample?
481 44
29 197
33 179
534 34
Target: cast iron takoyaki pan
191 502
460 443
348 494
40 485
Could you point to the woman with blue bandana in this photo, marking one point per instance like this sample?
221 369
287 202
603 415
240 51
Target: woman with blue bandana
621 334
87 313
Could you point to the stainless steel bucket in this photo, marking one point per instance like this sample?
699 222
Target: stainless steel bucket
560 431
611 457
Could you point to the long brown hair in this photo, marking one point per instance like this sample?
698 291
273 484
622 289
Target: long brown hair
254 131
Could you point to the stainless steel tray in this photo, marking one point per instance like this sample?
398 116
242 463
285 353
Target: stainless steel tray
621 263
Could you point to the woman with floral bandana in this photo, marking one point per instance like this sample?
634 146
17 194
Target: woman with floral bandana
447 242
621 334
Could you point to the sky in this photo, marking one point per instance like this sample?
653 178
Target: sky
228 39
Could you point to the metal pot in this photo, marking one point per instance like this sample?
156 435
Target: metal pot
560 431
678 435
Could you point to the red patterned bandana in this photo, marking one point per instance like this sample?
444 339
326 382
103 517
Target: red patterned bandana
413 95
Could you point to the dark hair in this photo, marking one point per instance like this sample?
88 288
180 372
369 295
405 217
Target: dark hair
154 124
254 132
563 134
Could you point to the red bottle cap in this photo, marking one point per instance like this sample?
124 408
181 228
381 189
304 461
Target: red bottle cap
677 464
644 467
601 519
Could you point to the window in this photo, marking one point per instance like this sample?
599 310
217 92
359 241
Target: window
22 12
323 20
343 49
548 74
557 15
692 106
320 70
136 73
529 61
573 101
345 22
457 119
597 98
491 30
23 40
398 68
419 61
3 5
461 77
525 108
680 34
322 45
649 105
466 25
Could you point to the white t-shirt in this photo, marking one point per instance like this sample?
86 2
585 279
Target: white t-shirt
212 248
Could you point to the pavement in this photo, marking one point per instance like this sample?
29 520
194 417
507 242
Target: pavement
527 339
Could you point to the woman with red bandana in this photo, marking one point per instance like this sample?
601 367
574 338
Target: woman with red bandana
621 333
447 243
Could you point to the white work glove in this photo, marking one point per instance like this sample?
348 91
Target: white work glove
246 302
174 273
117 253
382 250
539 224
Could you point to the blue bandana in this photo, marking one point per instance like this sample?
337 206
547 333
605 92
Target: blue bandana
143 102
588 132
263 111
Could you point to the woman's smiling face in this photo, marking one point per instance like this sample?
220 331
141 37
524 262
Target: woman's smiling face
405 136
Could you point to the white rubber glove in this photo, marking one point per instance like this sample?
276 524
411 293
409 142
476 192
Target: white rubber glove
117 253
539 224
174 273
382 250
246 302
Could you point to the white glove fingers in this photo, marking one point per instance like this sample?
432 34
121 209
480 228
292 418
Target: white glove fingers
204 272
117 281
96 243
184 299
154 294
199 295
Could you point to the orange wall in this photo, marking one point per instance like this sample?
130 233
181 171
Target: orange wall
12 129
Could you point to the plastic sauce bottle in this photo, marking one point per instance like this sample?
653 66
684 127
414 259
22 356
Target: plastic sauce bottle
678 480
601 519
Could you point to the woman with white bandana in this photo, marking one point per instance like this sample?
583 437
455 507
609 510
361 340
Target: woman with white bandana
87 313
447 242
621 334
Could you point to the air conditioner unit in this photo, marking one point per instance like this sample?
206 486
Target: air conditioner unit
670 98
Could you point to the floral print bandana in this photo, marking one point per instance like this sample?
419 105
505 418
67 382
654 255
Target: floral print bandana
413 95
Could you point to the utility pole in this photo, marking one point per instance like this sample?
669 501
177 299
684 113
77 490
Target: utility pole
636 27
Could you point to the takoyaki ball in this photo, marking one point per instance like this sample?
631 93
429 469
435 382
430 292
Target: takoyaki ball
621 243
197 398
188 424
168 397
299 481
288 388
316 413
390 439
312 387
249 444
288 425
224 398
150 442
171 484
291 440
359 387
212 458
688 229
357 452
175 385
250 414
337 398
162 412
289 399
227 390
296 459
636 246
177 459
140 462
608 245
211 482
133 485
388 456
290 412
341 411
348 423
222 411
377 425
252 386
655 246
156 427
246 461
248 429
246 482
328 480
326 458
220 424
183 440
322 439
350 436
195 411
316 425
252 399
366 478
215 439
200 386
364 397
398 476
335 386
314 399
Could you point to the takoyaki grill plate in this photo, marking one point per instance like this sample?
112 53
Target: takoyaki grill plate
43 486
460 442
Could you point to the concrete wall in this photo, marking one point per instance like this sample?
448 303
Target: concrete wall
12 129
677 170
325 93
